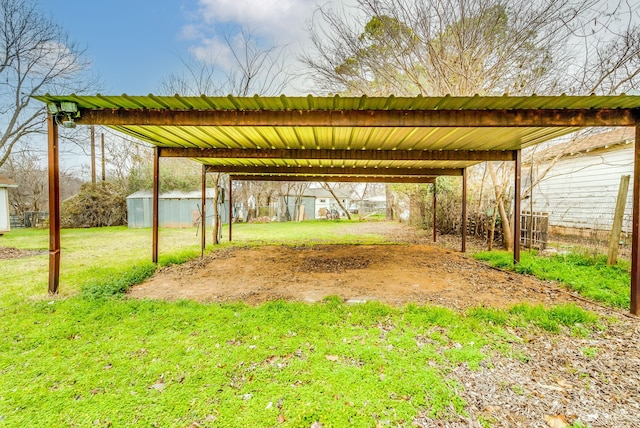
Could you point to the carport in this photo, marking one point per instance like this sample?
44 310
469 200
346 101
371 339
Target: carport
383 139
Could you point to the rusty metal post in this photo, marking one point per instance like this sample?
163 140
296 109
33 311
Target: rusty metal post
54 205
434 211
464 210
635 237
516 206
230 207
155 204
203 214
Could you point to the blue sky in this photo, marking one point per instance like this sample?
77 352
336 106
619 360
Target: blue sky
133 44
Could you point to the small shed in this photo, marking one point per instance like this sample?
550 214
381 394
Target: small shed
580 184
175 209
5 219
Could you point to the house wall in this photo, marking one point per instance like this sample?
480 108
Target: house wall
329 203
172 212
4 210
580 192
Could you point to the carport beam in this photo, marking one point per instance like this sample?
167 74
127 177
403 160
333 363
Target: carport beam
516 206
54 205
155 204
635 237
230 207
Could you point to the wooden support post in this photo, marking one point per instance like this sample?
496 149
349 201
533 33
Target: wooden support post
516 206
203 213
635 239
104 175
464 210
614 239
54 205
155 204
434 211
230 207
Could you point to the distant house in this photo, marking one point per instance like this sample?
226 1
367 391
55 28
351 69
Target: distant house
580 190
374 204
318 203
175 209
5 219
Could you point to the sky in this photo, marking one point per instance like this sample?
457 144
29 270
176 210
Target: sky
132 45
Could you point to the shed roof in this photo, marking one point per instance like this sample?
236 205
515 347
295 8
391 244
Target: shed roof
619 137
7 182
338 137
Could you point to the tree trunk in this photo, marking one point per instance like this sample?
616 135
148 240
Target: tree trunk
499 193
389 198
326 186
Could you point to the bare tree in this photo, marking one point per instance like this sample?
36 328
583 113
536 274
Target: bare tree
252 67
489 47
36 56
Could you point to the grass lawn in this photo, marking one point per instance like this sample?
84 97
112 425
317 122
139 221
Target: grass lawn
589 276
90 357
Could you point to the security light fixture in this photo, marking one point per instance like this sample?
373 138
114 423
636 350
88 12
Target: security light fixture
53 108
68 107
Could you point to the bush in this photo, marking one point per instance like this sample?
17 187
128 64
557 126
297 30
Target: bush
97 205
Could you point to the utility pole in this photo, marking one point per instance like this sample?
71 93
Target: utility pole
93 155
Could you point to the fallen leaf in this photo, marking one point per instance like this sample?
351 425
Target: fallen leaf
158 386
563 383
558 421
332 357
281 418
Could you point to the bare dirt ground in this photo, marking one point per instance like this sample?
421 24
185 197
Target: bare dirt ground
550 380
16 253
395 274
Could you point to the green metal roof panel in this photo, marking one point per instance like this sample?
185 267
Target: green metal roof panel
204 102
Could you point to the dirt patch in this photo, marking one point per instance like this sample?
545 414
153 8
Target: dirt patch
16 253
393 274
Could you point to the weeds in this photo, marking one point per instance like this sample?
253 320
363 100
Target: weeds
589 276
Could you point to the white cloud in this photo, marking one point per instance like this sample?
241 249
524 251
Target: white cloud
283 21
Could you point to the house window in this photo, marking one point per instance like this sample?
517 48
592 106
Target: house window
323 201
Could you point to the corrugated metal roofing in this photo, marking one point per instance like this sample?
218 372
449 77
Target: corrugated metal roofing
337 102
345 137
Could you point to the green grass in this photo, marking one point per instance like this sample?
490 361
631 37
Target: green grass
93 358
589 276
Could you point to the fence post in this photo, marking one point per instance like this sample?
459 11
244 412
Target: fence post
614 239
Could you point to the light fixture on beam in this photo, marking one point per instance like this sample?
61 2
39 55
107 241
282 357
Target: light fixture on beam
65 112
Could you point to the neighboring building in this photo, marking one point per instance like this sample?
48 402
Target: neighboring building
318 203
5 219
373 204
175 209
580 190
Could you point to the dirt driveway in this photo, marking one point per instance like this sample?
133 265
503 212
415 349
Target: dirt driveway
396 274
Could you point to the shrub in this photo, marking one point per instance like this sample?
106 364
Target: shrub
97 205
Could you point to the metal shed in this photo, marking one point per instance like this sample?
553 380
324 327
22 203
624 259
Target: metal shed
175 209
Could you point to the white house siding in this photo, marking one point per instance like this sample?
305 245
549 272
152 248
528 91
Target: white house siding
4 210
581 191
